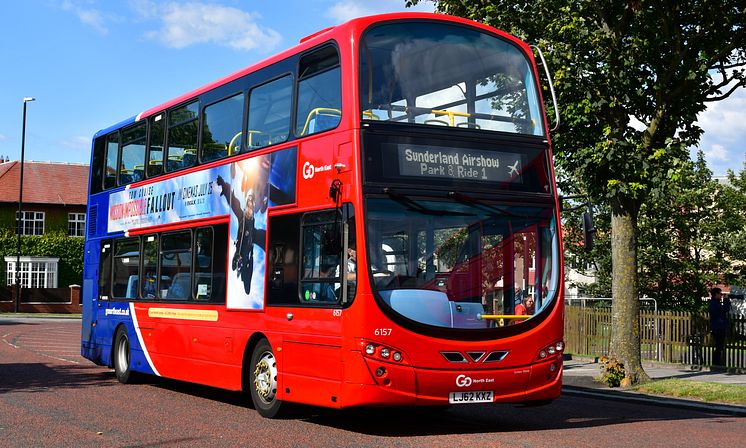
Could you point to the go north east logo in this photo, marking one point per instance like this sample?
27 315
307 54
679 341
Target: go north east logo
465 381
117 312
309 170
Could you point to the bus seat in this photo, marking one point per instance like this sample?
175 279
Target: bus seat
320 119
190 158
138 174
174 162
132 284
203 261
180 286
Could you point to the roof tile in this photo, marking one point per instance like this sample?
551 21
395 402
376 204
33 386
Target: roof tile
45 183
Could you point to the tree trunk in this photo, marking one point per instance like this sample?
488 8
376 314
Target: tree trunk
625 311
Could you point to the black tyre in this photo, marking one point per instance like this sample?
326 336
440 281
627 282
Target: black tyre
263 381
121 356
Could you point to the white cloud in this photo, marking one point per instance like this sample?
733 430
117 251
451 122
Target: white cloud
345 10
90 16
3 138
725 133
187 24
77 142
726 118
716 152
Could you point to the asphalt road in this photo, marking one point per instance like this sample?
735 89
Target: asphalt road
50 396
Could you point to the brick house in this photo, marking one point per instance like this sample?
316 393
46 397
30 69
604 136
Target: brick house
54 200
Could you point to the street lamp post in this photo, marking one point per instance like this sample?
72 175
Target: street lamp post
19 218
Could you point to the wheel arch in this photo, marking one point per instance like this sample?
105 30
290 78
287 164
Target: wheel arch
110 362
246 362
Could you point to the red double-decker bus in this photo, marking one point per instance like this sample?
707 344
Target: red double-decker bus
369 218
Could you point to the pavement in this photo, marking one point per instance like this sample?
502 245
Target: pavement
579 378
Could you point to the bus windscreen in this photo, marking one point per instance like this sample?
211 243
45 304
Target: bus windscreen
447 75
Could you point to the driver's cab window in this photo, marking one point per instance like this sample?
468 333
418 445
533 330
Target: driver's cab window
322 251
312 258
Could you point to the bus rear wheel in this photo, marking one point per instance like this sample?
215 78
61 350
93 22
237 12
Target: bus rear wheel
263 380
121 356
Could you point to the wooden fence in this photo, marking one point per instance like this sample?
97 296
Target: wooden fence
665 336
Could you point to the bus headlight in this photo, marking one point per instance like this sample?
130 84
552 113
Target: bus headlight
550 351
382 352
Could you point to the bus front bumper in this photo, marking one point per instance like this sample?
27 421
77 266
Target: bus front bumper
401 385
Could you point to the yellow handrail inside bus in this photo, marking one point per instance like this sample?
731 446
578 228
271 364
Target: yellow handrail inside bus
503 316
251 137
320 111
451 115
436 121
233 149
468 125
371 115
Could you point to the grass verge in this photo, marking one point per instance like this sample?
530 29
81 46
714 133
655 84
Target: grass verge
696 390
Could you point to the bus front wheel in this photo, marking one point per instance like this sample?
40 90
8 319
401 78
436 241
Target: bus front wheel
121 356
263 380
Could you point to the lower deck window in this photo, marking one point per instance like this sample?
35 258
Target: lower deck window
185 265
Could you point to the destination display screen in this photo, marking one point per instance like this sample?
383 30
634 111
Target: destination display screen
460 164
455 164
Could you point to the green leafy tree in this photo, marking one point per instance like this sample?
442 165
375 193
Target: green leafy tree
678 231
657 62
731 242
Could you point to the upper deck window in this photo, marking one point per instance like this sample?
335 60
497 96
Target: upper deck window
221 128
447 75
319 92
269 113
132 166
182 137
155 145
112 154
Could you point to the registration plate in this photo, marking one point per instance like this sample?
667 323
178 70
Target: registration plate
472 396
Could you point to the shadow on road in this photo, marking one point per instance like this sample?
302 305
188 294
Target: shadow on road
564 413
7 322
38 377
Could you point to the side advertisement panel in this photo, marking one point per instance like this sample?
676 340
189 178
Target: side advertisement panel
244 190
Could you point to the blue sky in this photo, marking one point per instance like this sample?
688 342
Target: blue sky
93 63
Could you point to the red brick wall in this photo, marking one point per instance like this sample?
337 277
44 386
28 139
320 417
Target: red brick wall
7 304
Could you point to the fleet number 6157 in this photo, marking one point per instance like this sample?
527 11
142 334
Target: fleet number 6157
382 331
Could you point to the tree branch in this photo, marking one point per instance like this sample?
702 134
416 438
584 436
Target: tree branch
741 83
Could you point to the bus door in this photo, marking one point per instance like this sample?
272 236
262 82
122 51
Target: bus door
90 293
305 298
